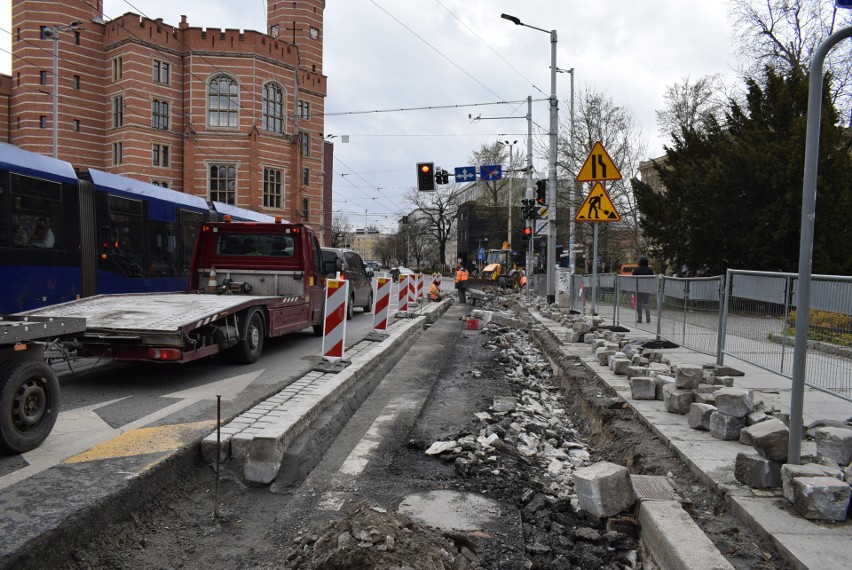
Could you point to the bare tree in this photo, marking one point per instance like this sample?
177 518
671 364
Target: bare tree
689 105
436 211
341 230
784 34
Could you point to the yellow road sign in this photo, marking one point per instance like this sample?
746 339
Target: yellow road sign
598 166
597 207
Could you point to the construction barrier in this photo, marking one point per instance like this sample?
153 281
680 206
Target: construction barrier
419 293
334 325
412 289
436 280
403 294
380 313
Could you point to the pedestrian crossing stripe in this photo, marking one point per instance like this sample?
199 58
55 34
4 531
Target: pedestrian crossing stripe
598 166
597 207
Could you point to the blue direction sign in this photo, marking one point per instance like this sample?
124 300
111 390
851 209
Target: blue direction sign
465 174
491 172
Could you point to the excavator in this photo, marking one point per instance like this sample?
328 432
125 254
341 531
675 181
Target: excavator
500 269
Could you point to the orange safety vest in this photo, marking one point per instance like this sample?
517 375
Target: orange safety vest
461 275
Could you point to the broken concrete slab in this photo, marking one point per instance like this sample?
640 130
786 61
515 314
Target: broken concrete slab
834 443
735 402
821 498
757 471
604 489
789 471
699 416
770 438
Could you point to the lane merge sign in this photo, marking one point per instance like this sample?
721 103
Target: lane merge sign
598 166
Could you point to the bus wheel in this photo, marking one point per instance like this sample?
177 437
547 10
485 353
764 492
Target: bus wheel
248 350
29 395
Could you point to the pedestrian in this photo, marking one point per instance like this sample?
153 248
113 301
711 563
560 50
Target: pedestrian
461 282
642 299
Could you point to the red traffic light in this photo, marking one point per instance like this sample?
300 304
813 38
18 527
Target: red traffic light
527 231
425 168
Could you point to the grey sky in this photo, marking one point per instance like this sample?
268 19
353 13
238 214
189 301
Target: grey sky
407 54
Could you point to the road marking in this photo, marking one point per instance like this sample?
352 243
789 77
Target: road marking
83 429
158 439
359 457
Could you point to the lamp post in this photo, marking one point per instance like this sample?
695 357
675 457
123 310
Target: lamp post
511 146
551 173
53 33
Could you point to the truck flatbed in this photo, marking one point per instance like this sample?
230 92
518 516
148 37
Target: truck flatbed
15 329
151 312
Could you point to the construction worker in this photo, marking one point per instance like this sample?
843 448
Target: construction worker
461 282
434 292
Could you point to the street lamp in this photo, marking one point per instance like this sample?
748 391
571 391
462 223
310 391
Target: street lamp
511 176
54 35
551 173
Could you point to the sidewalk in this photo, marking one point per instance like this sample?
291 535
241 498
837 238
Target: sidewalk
805 543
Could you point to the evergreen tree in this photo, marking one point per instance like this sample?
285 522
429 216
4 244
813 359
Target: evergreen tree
733 191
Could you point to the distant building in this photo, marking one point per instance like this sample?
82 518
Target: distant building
233 116
649 174
366 243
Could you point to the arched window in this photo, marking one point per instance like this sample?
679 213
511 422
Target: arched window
273 108
223 101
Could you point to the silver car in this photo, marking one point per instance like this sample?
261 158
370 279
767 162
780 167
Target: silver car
359 277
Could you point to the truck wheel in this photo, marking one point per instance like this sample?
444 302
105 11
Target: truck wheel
248 350
369 306
29 398
350 308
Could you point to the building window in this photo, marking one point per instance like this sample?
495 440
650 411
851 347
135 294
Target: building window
160 154
306 176
160 115
75 125
273 108
76 38
305 140
42 121
161 72
117 153
223 101
160 183
118 111
76 82
306 210
42 77
117 69
304 110
271 188
223 183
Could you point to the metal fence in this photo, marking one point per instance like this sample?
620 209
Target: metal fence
748 315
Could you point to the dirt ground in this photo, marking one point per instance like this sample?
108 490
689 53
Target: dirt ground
179 530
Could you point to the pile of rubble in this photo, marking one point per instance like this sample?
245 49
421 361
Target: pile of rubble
371 537
819 489
527 446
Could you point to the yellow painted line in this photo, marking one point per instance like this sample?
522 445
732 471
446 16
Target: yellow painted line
144 441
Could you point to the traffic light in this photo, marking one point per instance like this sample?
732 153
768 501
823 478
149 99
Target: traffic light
527 233
442 177
426 176
530 209
541 192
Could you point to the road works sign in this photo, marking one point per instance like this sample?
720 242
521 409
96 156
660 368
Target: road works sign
598 166
597 207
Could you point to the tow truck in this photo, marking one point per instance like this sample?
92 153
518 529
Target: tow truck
248 282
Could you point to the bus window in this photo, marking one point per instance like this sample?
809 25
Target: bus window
126 235
162 249
189 223
36 213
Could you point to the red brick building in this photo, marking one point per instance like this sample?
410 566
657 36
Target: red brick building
232 116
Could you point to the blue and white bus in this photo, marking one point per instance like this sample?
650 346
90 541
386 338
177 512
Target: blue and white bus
65 234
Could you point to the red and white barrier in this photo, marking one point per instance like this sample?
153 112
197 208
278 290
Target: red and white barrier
334 327
380 313
412 289
419 294
403 294
436 280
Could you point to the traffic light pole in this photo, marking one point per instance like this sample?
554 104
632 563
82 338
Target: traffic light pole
529 193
